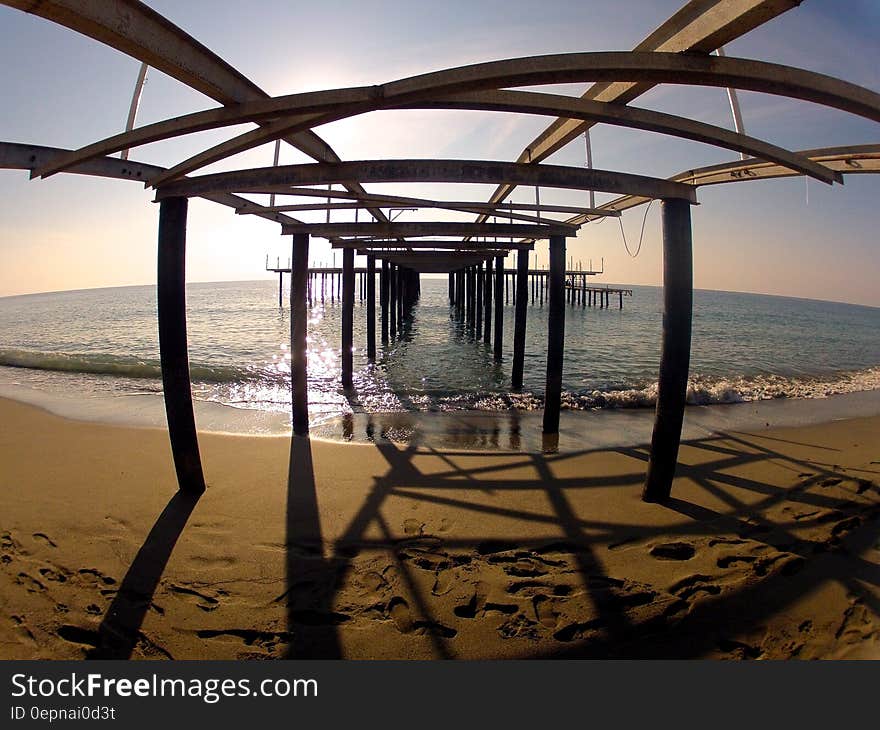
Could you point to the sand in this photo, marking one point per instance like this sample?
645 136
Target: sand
768 550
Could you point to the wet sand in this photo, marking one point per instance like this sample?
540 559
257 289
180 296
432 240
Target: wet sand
770 547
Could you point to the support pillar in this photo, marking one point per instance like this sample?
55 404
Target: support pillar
521 294
487 303
177 389
392 302
371 308
675 351
384 287
555 335
478 273
498 347
299 382
347 317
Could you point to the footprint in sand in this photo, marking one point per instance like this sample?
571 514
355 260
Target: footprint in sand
54 575
91 575
202 600
44 538
32 585
400 614
693 585
545 613
413 527
673 551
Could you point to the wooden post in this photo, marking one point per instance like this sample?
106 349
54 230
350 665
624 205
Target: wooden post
676 349
451 287
347 317
555 335
299 381
280 288
384 285
498 347
620 294
371 308
487 303
521 294
177 389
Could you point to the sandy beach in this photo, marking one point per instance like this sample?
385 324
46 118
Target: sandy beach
768 550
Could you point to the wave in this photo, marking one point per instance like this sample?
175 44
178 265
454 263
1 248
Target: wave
268 388
118 365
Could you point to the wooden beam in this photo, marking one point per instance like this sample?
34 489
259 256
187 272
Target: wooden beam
437 171
676 350
176 386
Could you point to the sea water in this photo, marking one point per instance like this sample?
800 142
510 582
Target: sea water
94 354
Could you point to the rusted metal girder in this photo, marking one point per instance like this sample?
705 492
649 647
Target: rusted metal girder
473 87
139 31
428 228
15 156
450 171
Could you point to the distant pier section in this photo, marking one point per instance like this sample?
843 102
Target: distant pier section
325 282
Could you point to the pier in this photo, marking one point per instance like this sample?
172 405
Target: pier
325 284
677 53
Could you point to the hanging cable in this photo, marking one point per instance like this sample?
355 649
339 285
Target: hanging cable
641 233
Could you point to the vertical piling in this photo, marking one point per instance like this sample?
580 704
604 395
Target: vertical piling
371 308
174 357
555 336
498 345
299 384
519 322
676 349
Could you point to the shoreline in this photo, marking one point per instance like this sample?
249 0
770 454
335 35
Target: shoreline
509 430
307 548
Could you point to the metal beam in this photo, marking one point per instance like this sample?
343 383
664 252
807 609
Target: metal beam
848 160
478 246
701 26
428 228
15 156
452 171
138 31
430 90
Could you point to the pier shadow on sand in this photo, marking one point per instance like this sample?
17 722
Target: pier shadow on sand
119 632
766 564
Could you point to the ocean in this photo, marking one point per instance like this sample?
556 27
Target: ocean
94 354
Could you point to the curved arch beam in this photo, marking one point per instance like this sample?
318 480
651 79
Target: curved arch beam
850 160
562 68
439 171
142 33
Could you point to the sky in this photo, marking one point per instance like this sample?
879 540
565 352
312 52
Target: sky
788 237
